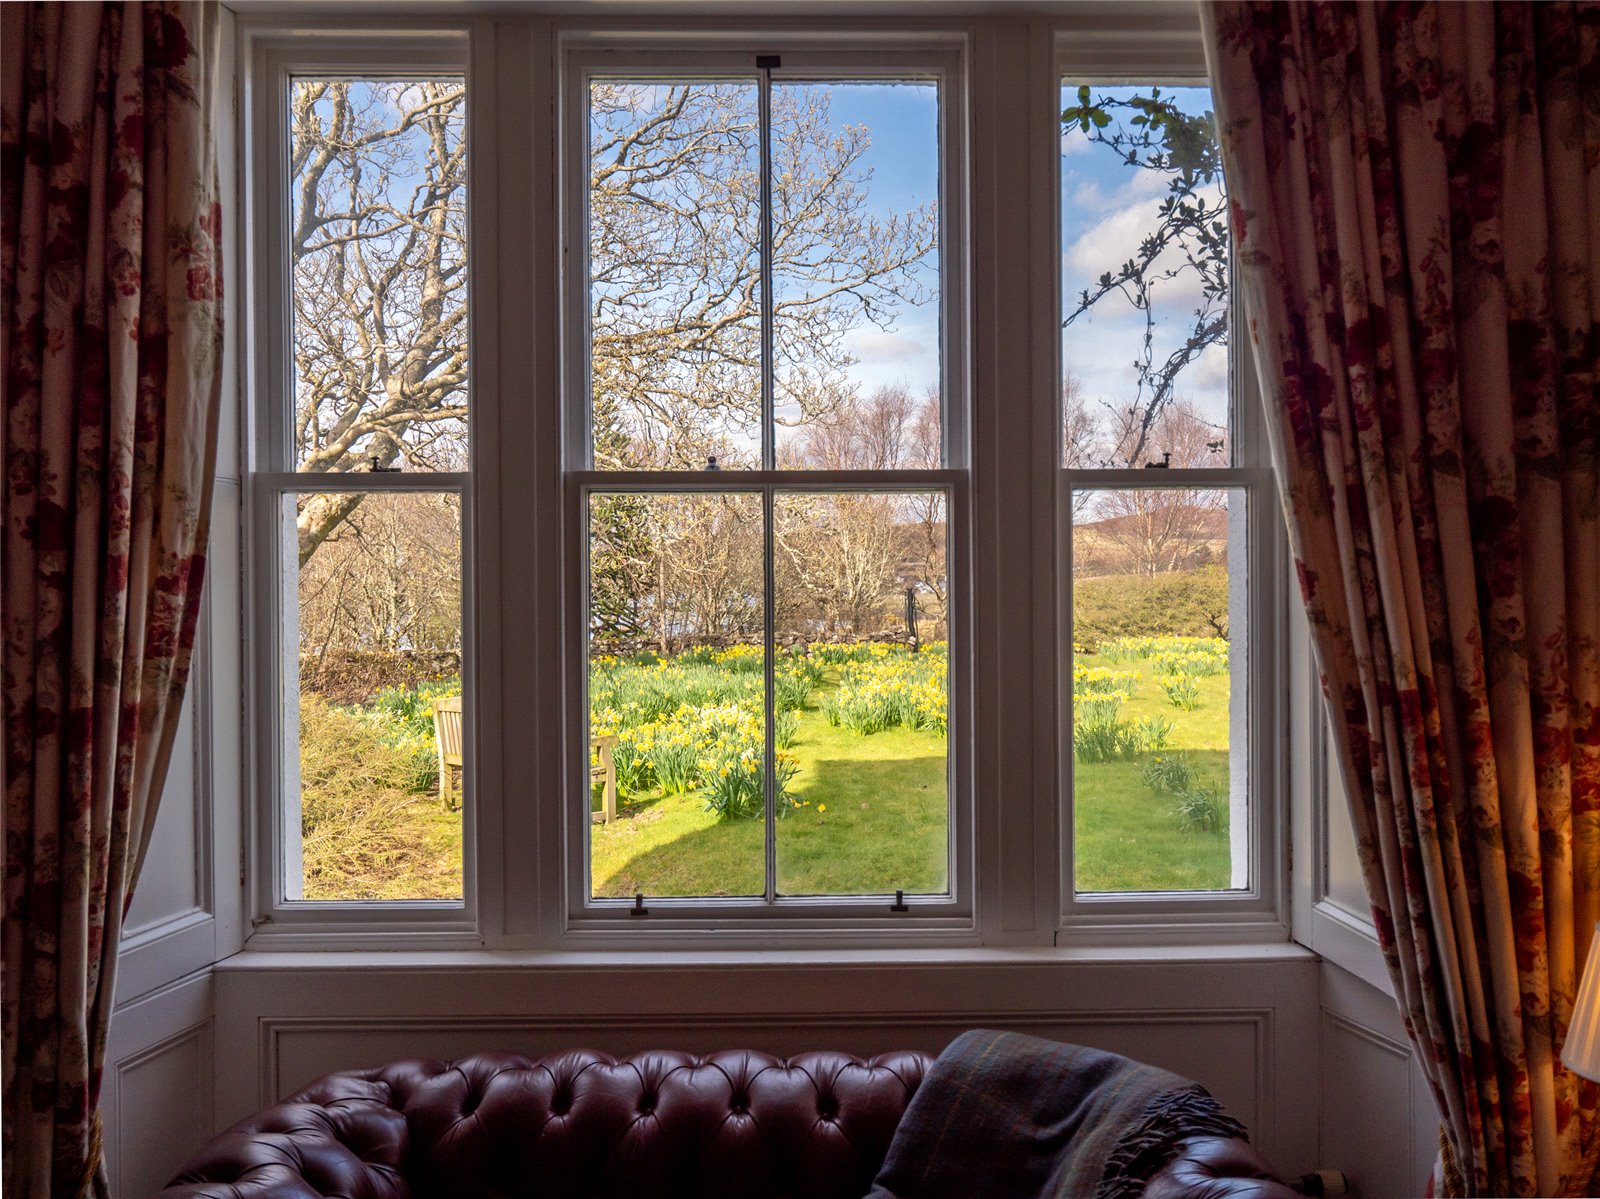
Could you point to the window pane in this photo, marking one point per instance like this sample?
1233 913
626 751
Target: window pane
1144 279
861 690
855 191
677 675
674 274
377 651
378 273
1158 686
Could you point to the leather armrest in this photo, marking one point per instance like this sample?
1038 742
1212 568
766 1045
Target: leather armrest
1217 1168
348 1147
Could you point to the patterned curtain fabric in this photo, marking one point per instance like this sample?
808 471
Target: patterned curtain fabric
111 347
1416 194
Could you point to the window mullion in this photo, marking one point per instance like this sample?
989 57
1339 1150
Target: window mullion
769 758
768 324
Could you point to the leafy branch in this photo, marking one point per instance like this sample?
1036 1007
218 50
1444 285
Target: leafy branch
1189 239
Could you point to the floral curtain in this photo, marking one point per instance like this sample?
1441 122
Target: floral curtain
1416 195
111 347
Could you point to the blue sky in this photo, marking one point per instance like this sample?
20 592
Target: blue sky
902 160
1106 208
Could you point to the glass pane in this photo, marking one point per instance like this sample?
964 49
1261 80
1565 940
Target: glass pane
677 673
861 689
855 243
1158 690
377 652
1144 279
674 274
378 273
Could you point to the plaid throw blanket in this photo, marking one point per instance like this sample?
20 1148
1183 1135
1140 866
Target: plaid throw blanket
1008 1116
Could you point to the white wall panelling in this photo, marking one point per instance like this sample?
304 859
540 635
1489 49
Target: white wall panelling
1379 1123
156 1095
1240 1027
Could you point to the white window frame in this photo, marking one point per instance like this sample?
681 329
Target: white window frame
590 57
522 563
273 63
1256 910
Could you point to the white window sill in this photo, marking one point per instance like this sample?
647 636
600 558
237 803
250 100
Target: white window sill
526 959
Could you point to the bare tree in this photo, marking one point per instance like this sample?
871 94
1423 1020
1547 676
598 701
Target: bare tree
844 559
1154 530
674 256
838 559
378 251
387 580
1189 240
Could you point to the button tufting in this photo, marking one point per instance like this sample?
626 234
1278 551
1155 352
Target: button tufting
561 1103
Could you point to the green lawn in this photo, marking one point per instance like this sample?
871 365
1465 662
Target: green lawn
875 818
1126 837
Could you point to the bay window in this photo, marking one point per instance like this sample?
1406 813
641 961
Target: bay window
736 595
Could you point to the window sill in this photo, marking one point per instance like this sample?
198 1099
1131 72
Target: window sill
447 959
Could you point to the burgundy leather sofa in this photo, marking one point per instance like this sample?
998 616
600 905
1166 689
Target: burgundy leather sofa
729 1125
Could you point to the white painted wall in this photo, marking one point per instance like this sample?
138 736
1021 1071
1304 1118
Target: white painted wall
1239 1026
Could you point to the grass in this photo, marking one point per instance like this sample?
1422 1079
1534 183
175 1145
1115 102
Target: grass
873 817
1127 838
366 832
873 820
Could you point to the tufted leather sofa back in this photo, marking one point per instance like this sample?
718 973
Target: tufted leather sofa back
658 1125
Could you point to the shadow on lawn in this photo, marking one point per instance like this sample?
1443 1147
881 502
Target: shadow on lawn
885 827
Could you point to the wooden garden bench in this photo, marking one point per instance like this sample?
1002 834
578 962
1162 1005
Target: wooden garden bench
447 736
605 771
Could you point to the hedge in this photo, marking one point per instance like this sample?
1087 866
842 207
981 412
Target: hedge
1185 603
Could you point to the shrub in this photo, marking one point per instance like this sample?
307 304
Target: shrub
892 688
631 756
1201 810
1181 690
1097 734
1099 680
362 825
1199 804
791 688
1155 733
412 707
731 771
1186 602
673 755
1168 774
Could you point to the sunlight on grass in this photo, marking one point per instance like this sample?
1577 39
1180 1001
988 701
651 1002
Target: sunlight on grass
872 817
372 826
1128 838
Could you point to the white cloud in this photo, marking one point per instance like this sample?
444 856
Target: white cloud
1115 238
1074 141
909 354
882 344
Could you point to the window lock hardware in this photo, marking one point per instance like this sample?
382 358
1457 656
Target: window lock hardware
711 462
769 62
899 904
638 908
1164 464
379 469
